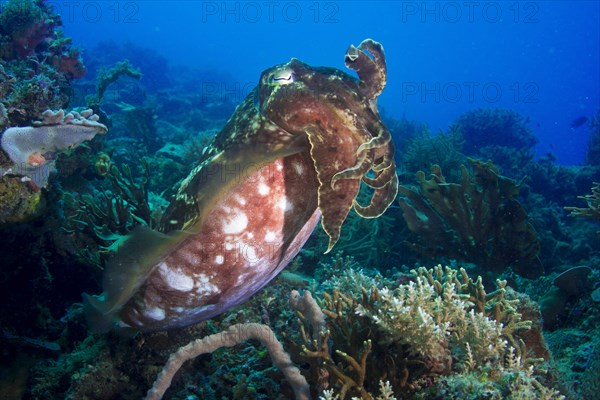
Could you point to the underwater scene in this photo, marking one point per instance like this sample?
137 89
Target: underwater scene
299 200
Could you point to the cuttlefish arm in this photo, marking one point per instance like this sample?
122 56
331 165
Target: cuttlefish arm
363 151
371 71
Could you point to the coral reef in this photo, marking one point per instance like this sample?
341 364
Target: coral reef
57 241
25 25
38 61
433 334
485 127
478 220
106 217
19 202
593 209
457 342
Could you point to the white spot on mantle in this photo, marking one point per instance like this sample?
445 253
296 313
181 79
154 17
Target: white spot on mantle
175 278
284 204
205 286
263 189
219 259
240 199
299 168
155 313
236 225
270 236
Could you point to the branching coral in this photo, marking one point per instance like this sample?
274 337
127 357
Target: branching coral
352 376
477 220
593 209
431 334
108 76
438 314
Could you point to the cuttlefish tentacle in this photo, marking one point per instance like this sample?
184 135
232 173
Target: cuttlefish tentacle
383 165
380 140
381 200
371 71
358 171
381 178
385 184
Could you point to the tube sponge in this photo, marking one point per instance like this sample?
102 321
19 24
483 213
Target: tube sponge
32 149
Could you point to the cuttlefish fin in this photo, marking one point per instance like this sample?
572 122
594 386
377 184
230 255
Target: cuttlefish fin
332 154
135 258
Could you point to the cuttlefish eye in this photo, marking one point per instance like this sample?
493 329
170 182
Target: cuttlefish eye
282 77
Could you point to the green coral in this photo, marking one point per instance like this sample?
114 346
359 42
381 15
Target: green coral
477 220
19 202
443 149
106 77
107 216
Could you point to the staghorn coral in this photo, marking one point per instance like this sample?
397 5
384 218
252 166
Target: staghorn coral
477 220
442 311
385 390
592 210
426 338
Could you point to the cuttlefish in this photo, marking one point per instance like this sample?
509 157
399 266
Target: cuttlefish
294 152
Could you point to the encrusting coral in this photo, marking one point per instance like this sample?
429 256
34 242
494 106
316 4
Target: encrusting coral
477 220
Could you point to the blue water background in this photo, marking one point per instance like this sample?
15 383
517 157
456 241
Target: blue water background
444 58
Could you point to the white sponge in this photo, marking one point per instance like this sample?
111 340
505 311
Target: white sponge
32 149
